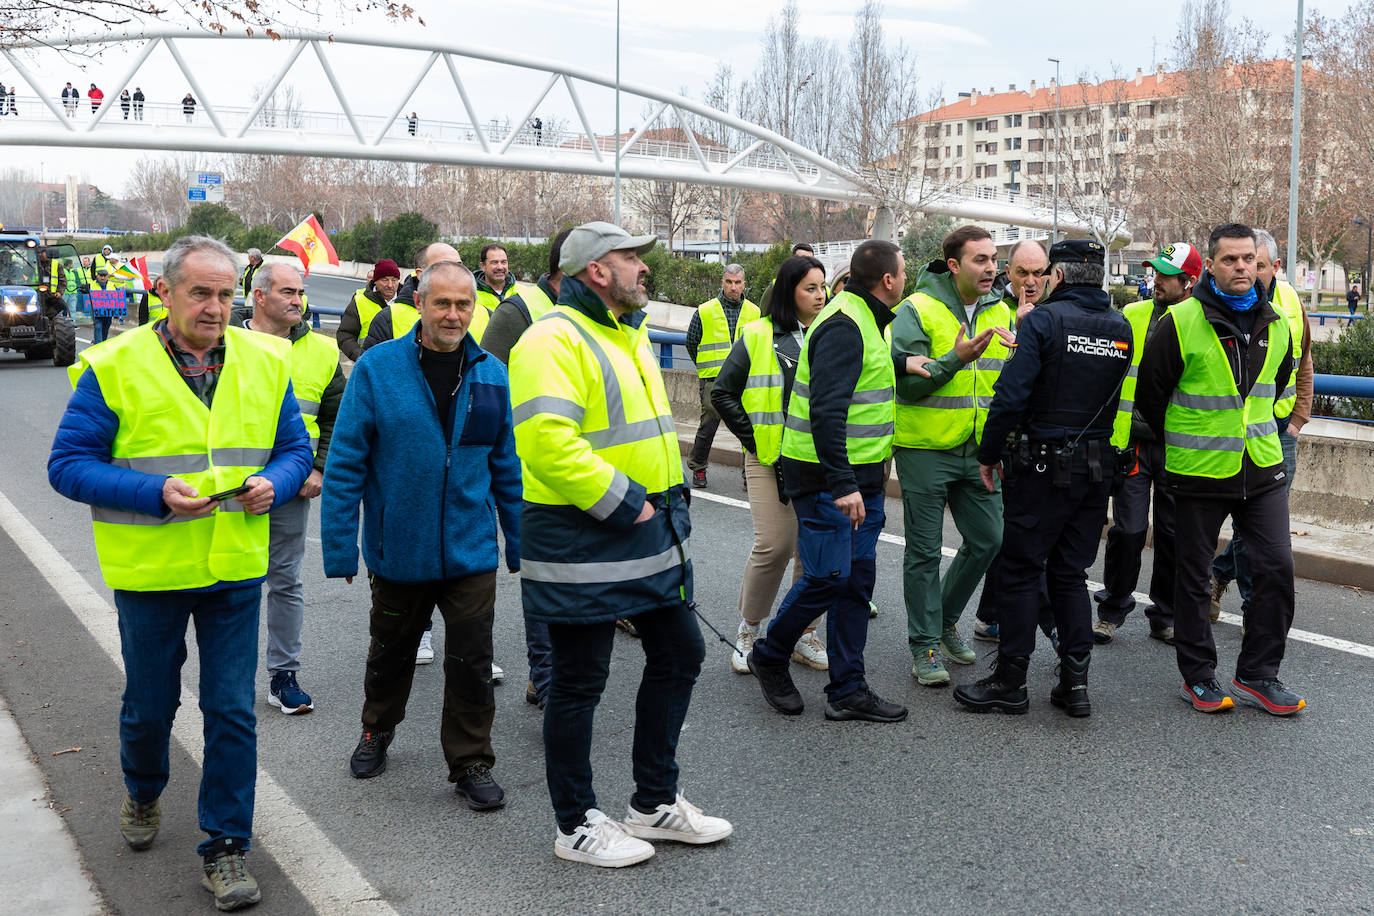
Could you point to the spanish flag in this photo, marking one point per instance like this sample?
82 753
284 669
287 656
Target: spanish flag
310 244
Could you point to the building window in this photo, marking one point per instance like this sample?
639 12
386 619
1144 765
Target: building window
1035 168
992 126
977 125
947 172
990 172
958 171
946 152
932 173
933 132
933 152
1014 165
1078 119
948 128
1145 111
1036 144
1037 121
960 131
959 150
1144 136
978 172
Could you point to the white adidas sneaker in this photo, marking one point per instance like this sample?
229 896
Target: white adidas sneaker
682 822
598 840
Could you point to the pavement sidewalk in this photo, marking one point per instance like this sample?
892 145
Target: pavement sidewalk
43 870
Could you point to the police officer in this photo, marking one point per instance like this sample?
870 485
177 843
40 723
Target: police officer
1063 384
1209 386
1176 270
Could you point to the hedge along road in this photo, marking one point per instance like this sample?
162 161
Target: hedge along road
1145 806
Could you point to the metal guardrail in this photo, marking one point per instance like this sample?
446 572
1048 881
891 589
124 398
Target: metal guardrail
317 310
666 340
1343 386
1335 316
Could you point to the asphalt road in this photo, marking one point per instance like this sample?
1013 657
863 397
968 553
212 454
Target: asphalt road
1144 807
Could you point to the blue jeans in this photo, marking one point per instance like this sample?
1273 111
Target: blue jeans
673 652
1232 564
100 329
839 565
152 636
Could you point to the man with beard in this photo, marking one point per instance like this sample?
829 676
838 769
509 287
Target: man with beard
605 512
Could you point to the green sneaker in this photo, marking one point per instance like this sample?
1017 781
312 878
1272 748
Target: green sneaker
138 822
929 670
227 877
953 647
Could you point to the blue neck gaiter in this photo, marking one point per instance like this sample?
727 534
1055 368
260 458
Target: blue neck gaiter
1242 303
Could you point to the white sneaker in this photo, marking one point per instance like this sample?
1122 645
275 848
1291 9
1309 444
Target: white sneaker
810 651
744 644
681 821
497 675
598 840
425 654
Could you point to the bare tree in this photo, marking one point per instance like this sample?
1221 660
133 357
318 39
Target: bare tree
668 206
48 21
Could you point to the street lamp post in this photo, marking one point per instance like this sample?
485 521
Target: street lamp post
1368 255
617 113
1054 232
1296 140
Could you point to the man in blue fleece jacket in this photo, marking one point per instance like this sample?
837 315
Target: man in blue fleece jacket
165 418
424 441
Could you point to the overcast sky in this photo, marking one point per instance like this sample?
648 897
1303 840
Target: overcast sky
960 44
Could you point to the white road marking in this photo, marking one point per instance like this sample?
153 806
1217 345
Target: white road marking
1307 636
308 859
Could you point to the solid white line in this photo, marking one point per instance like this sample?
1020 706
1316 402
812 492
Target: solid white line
1307 636
308 859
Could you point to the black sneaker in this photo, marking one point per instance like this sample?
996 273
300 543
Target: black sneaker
1004 688
1268 694
776 684
481 791
864 705
369 757
698 480
1207 696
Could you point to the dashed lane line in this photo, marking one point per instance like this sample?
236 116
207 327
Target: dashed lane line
1307 636
307 857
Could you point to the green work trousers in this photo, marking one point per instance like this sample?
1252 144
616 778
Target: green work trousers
931 480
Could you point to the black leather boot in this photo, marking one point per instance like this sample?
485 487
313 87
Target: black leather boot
1004 688
1071 693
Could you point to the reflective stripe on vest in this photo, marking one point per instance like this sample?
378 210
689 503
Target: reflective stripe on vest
869 425
623 416
1287 304
946 417
165 430
762 395
1138 314
716 339
1207 425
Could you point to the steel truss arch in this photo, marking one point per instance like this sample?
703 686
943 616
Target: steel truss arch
764 160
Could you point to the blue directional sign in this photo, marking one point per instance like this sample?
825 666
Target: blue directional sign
195 193
210 178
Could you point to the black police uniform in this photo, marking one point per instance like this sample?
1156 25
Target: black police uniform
1061 389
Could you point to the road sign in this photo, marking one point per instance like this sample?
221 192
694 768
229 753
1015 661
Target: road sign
206 186
157 227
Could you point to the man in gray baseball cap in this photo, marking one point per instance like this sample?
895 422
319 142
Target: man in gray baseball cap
593 241
604 534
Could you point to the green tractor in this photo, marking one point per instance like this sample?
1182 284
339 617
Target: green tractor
34 319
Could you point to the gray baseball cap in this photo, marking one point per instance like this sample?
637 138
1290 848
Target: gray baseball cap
591 241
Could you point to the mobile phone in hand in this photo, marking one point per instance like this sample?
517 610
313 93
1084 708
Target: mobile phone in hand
229 494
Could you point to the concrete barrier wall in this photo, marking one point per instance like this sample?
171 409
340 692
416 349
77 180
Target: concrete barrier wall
1335 480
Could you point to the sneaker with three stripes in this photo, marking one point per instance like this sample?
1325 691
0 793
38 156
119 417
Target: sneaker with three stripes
681 821
598 840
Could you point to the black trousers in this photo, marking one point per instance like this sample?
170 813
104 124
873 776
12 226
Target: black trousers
992 581
401 612
1126 540
700 457
1055 529
1263 522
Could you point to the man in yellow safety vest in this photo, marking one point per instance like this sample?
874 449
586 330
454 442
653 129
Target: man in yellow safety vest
712 331
182 435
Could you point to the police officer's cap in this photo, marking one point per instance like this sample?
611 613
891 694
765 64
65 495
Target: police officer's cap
1078 251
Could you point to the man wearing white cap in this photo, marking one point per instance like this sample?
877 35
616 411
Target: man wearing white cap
1176 269
606 511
